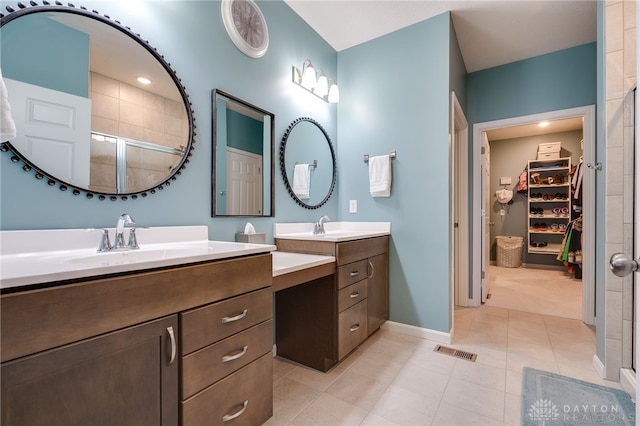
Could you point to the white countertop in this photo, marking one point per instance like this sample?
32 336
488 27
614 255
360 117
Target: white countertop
334 231
37 257
286 262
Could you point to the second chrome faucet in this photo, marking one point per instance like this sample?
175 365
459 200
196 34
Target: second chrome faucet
318 227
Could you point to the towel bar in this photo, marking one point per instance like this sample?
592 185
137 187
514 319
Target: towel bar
314 164
392 155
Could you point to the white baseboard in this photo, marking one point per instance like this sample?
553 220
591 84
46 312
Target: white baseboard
598 366
412 330
628 382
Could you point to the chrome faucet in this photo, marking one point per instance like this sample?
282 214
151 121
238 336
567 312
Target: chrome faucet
119 244
318 227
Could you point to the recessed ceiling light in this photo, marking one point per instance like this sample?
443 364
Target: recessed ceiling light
144 80
543 124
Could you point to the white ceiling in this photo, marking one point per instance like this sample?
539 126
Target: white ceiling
490 33
533 129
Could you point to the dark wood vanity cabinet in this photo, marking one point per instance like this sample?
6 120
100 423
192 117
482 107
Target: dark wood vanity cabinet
186 345
320 322
127 377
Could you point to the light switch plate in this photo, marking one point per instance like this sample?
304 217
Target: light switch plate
353 206
505 180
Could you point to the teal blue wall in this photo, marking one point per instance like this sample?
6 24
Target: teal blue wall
191 36
244 133
55 55
555 81
457 69
395 97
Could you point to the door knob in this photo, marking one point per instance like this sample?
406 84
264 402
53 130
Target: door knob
622 264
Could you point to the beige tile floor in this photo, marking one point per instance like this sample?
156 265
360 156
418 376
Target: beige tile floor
395 379
550 292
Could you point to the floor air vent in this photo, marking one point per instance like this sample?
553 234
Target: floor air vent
455 353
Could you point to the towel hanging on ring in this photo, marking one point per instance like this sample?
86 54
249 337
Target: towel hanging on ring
302 181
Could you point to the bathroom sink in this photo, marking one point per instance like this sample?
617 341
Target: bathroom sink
328 235
53 256
132 256
334 231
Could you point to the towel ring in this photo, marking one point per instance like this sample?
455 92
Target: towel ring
392 155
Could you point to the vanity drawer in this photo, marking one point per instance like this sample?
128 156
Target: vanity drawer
351 295
208 365
351 251
246 394
352 273
203 326
352 328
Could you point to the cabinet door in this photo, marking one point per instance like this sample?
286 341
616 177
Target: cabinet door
129 377
377 292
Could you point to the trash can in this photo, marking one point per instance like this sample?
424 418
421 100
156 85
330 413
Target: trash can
509 251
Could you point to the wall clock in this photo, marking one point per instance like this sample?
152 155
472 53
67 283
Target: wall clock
246 26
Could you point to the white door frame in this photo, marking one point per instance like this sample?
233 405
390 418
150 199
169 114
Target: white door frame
588 129
459 237
485 249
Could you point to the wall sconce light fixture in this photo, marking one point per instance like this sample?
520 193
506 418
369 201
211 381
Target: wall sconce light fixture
316 82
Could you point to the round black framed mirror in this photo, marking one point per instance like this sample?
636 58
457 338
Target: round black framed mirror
86 118
308 163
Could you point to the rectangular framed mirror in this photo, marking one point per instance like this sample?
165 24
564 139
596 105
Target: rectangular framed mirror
242 168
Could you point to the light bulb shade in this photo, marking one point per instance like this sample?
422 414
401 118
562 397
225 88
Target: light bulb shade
308 75
334 93
322 86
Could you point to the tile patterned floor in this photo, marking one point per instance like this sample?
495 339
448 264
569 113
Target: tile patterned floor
395 379
543 291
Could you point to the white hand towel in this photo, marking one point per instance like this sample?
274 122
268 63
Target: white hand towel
301 181
380 176
7 126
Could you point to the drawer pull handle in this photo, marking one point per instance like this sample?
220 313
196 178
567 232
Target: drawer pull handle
236 318
372 270
354 327
240 354
354 273
228 417
172 339
354 294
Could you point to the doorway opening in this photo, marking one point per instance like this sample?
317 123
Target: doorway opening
491 211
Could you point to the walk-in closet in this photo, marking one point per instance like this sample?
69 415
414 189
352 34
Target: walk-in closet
534 202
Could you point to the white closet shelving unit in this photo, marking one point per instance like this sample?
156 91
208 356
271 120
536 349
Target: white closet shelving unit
549 204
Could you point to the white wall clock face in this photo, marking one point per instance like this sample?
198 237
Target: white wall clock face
246 26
